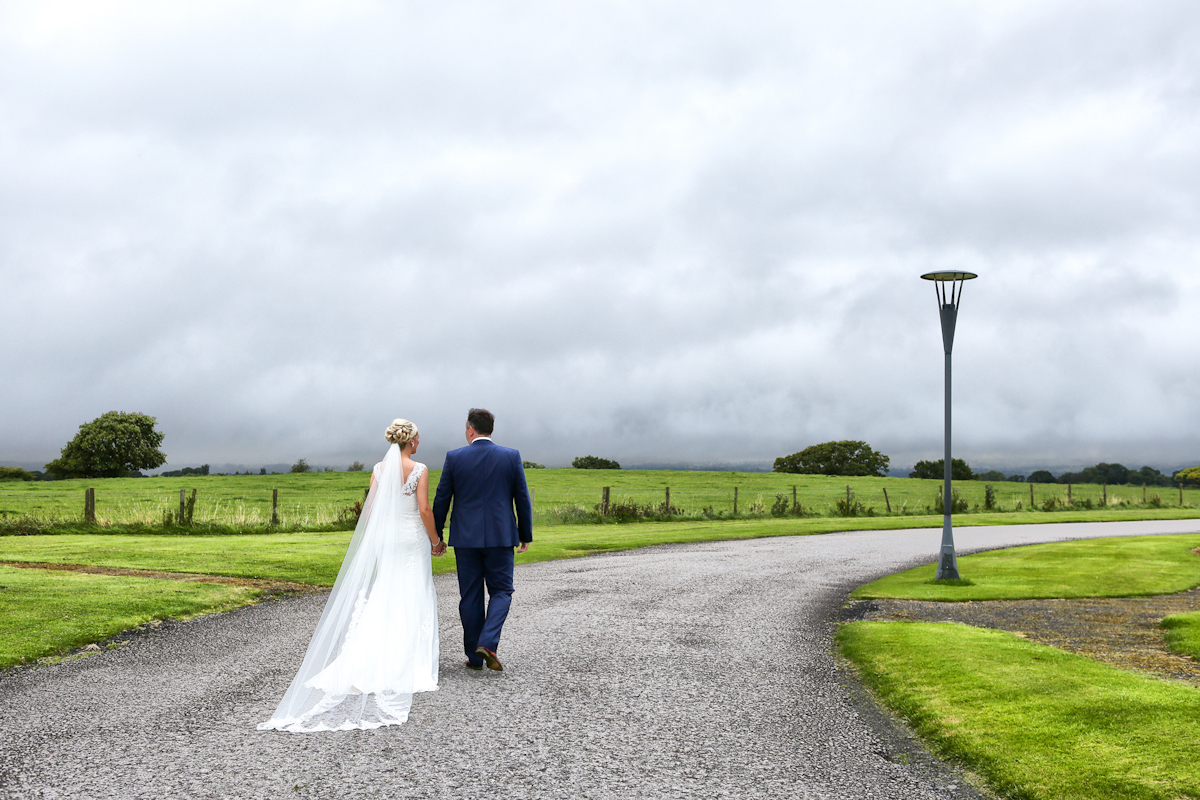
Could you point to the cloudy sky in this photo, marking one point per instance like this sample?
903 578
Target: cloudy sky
660 232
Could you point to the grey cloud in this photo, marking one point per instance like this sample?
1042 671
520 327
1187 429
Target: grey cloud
626 228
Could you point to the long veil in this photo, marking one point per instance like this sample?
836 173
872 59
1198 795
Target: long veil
305 707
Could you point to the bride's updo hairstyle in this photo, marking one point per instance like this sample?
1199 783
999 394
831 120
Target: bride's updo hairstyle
400 432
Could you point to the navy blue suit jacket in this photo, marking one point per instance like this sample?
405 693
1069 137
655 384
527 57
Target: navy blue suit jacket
485 481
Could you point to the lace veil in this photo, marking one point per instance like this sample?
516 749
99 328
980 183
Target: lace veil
306 708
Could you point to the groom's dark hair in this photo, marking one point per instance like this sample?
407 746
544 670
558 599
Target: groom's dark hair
481 420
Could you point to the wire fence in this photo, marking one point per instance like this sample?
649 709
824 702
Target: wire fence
253 502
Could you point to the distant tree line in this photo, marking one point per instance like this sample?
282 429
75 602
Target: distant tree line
179 473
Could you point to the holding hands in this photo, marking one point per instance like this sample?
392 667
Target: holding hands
439 548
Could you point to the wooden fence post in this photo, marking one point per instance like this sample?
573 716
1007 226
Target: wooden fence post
1181 495
1143 494
888 502
735 500
604 497
89 505
1031 501
795 502
182 503
274 506
847 499
667 502
1104 494
1070 501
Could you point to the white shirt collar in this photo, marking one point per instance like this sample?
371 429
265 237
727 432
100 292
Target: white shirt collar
482 439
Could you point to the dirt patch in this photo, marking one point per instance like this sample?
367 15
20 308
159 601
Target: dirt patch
272 588
1121 631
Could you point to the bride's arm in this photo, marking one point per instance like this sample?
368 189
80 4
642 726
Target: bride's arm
423 507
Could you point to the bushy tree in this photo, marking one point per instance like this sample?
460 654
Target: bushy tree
990 475
301 466
533 465
15 474
1042 476
357 466
934 470
111 446
835 458
592 462
1189 476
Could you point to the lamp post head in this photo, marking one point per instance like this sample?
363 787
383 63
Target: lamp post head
948 286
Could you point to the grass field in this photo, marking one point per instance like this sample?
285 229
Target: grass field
1037 723
1118 567
313 501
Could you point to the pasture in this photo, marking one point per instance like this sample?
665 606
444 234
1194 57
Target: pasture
323 500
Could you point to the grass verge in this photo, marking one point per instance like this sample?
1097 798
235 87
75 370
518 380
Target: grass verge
1118 567
50 611
1035 722
1183 634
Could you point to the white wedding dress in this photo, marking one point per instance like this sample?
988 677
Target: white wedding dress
377 641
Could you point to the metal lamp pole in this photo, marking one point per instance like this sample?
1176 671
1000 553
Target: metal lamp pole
948 286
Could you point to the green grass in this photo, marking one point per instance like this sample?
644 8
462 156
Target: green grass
1116 567
319 500
1183 633
50 611
1035 722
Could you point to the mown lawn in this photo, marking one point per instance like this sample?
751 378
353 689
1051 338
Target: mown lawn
1182 634
1034 721
49 611
1118 567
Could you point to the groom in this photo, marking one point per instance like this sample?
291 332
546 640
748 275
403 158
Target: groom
485 482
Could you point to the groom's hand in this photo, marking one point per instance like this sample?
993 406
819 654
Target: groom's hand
439 549
524 546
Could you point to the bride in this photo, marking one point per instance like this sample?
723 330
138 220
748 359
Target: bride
377 640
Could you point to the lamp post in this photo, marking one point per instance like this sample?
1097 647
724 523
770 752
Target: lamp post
948 286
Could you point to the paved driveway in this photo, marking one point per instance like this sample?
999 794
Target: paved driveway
676 671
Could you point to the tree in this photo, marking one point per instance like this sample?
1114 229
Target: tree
111 446
990 475
1107 473
1150 477
533 465
935 470
592 462
1189 477
835 458
1042 476
357 466
301 466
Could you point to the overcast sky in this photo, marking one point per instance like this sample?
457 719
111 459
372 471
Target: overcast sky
660 232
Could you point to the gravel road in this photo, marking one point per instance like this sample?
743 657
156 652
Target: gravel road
668 672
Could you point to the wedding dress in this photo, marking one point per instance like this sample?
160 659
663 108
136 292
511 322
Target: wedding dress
377 640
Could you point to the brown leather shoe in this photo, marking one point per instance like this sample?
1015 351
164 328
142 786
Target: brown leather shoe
476 667
489 658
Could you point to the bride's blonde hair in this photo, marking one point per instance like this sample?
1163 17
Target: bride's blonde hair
400 432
